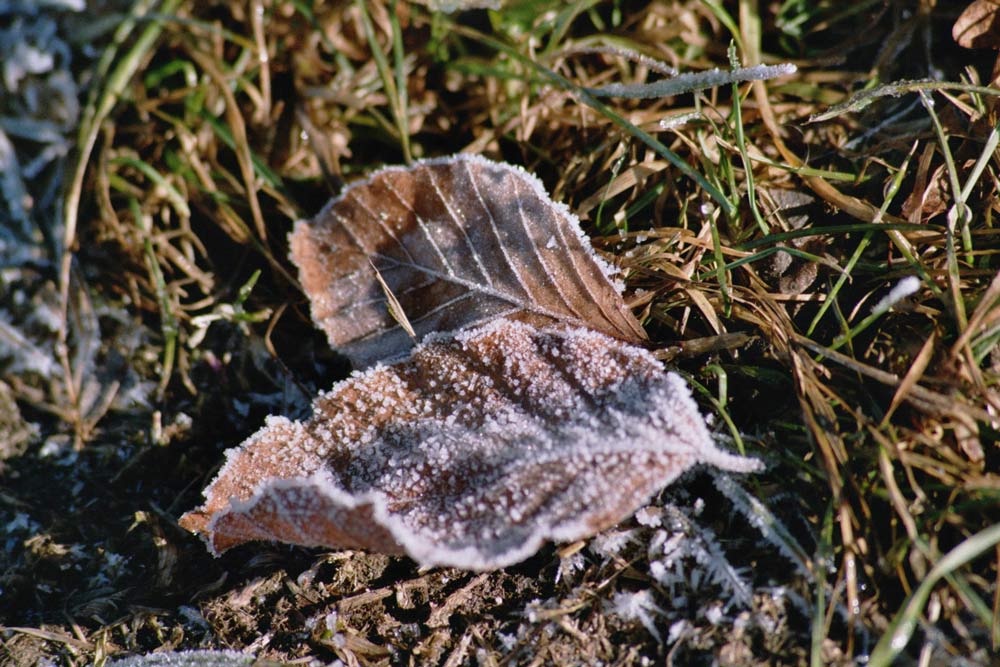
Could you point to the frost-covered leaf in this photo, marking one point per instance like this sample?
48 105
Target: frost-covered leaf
471 453
459 241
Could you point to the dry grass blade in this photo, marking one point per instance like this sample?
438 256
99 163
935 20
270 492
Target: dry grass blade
238 128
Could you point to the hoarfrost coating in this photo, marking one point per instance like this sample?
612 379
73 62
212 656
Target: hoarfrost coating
470 454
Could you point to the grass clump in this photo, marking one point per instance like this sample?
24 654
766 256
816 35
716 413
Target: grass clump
817 253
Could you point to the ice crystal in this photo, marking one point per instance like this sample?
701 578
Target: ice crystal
610 543
686 555
570 566
638 606
760 517
189 659
906 287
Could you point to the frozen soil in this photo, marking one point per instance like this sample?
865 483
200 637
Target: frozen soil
95 565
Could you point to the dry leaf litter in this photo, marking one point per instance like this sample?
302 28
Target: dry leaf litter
483 443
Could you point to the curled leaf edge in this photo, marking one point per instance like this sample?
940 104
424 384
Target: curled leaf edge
424 551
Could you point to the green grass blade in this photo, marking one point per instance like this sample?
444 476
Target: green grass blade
604 110
389 80
900 630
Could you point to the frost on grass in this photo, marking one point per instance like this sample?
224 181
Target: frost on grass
191 659
469 454
458 242
449 6
527 414
691 81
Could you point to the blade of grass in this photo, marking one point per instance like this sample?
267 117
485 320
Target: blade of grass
821 617
599 216
957 214
260 168
861 100
725 19
737 120
693 81
262 112
563 21
959 209
95 114
588 99
793 252
402 96
241 145
168 320
782 237
719 407
901 628
926 399
880 309
397 100
721 275
173 196
984 159
846 177
893 190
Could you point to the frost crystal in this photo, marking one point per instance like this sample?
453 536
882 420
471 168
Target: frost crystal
691 81
638 606
526 414
188 659
901 290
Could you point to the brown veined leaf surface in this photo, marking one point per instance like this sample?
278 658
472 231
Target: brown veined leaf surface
470 453
978 27
458 242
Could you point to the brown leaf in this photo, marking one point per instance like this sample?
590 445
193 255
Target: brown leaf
470 453
459 241
978 27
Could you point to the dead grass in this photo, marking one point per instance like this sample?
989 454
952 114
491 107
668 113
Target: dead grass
880 426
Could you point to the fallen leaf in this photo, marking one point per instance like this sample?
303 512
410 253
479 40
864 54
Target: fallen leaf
459 241
978 27
526 414
471 453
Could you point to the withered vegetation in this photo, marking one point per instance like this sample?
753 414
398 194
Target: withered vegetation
825 276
